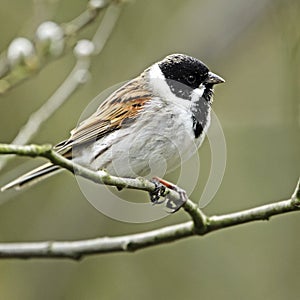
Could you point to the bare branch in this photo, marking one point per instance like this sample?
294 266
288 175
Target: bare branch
129 243
200 225
9 78
73 81
101 177
78 249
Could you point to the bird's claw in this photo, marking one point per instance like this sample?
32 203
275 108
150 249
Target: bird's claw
172 204
158 192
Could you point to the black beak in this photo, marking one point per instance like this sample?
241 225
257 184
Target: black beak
214 78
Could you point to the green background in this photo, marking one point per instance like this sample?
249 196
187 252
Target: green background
254 45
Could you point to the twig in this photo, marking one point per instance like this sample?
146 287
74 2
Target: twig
105 29
73 81
78 249
101 177
200 225
70 29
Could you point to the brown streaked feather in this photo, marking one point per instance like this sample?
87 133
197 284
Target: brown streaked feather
117 110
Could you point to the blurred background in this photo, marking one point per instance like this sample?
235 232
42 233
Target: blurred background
254 45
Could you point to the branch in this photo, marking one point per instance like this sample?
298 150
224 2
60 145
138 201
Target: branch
12 76
101 177
201 224
73 81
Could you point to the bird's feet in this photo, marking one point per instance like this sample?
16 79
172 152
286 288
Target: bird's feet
172 204
158 192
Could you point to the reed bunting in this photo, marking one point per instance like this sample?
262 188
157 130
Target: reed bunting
147 127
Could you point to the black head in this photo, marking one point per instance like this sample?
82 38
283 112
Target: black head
185 73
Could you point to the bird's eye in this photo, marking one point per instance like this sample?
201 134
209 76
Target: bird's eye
191 79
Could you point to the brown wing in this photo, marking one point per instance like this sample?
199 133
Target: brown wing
118 109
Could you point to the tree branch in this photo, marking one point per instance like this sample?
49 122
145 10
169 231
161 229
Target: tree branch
10 77
101 177
200 225
75 78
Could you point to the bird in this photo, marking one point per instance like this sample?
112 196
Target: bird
147 127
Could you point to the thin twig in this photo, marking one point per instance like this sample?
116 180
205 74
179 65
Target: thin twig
101 177
73 81
70 29
66 89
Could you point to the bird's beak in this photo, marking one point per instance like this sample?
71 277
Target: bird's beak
214 78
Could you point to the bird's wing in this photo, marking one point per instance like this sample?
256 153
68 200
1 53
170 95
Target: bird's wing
118 110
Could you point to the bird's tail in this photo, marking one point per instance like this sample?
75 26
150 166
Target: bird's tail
33 176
